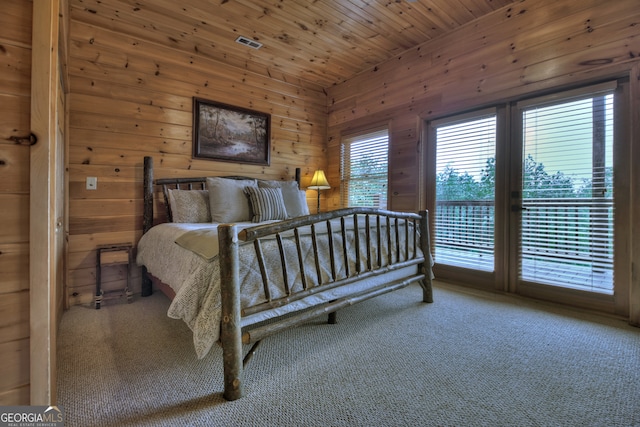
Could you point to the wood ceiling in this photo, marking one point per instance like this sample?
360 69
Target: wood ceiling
323 42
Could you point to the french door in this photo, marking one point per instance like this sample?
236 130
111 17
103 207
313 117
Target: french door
467 209
527 201
564 199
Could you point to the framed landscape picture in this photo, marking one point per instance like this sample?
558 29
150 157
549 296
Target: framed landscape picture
231 134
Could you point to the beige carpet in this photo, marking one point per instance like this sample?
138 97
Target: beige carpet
469 359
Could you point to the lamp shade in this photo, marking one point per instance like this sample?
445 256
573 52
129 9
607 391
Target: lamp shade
319 181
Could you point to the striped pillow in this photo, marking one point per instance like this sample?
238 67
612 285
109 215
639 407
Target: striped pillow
266 203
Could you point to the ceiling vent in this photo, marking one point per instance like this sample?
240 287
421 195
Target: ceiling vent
248 42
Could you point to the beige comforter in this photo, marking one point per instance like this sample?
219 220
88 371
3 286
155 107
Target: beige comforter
184 256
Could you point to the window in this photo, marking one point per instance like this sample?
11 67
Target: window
465 191
364 169
568 192
524 195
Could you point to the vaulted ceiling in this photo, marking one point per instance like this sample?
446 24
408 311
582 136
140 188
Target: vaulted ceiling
323 42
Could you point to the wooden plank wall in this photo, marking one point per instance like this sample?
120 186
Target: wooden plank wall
15 93
131 96
527 48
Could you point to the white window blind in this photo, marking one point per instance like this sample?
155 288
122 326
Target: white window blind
567 197
465 192
364 169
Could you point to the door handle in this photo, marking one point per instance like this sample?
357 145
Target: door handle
517 208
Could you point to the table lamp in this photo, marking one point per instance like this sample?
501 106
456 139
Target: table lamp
319 182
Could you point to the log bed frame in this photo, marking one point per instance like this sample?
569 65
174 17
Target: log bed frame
232 335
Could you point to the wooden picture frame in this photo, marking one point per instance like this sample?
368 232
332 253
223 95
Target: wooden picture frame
230 134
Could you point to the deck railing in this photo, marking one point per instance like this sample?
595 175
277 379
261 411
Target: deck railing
578 231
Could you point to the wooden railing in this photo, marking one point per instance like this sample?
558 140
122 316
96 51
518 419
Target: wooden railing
575 230
467 225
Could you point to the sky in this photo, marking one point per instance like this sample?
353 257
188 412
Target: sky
558 136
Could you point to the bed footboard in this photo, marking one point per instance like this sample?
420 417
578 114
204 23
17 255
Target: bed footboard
323 263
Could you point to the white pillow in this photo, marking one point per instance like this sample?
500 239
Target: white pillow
299 206
295 200
266 203
227 199
189 205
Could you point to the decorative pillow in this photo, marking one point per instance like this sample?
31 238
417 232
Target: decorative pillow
189 205
295 200
267 203
299 206
227 199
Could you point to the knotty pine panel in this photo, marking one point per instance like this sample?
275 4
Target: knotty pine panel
91 208
14 212
105 190
16 23
465 64
404 159
15 63
156 29
134 110
125 172
16 397
89 242
93 161
291 106
526 48
15 107
159 29
14 324
130 98
14 116
14 372
14 168
14 265
99 143
80 260
129 125
474 44
95 80
138 55
104 224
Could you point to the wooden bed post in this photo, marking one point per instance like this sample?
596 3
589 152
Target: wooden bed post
298 176
230 329
147 217
425 267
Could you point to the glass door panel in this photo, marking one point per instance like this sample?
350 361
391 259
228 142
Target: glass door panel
465 192
566 223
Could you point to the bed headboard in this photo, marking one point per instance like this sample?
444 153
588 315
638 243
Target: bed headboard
150 184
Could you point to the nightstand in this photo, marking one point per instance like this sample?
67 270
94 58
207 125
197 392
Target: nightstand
109 255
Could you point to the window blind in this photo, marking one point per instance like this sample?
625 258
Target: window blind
567 197
364 169
465 192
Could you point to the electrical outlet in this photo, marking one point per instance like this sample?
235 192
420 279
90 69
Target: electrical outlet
92 183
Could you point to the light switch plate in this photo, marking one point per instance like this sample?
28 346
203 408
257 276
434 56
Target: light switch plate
92 183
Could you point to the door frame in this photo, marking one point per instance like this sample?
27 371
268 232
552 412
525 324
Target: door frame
496 280
43 226
618 303
626 302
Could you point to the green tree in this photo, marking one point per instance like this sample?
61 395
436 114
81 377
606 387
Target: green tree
487 188
604 190
538 184
368 183
452 185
